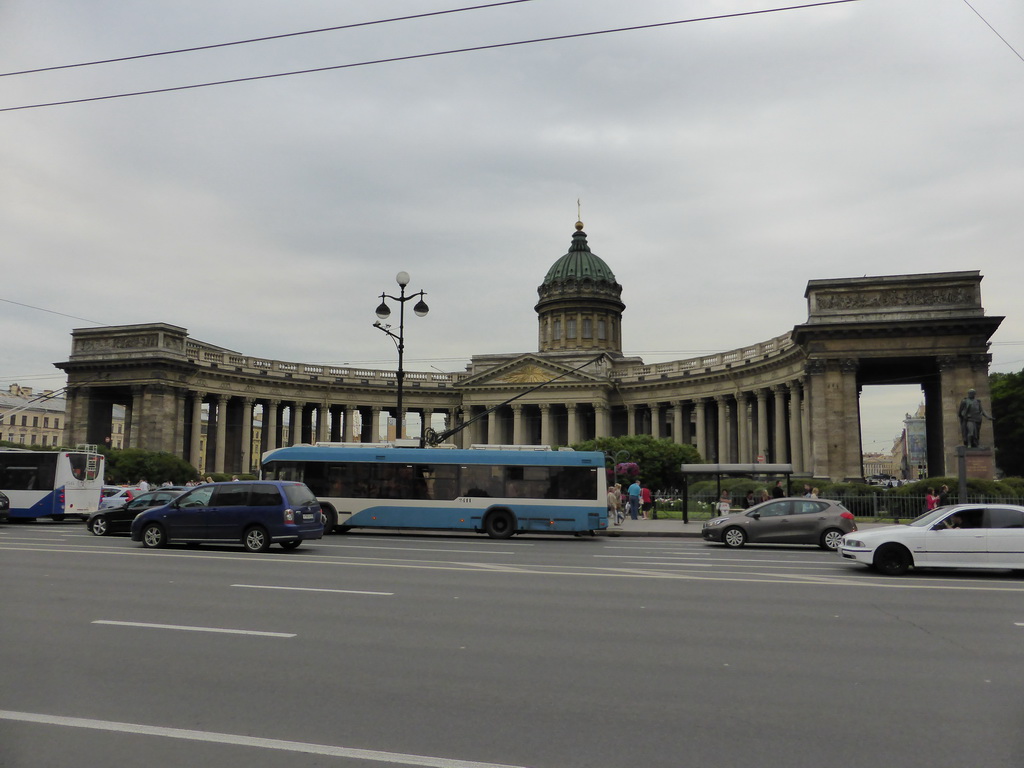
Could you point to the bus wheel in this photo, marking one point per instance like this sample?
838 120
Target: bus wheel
329 518
500 524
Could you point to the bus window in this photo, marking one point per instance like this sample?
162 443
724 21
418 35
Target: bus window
481 480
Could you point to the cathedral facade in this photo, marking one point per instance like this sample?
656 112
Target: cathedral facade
793 398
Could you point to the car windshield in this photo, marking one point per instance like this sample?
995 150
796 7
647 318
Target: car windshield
929 518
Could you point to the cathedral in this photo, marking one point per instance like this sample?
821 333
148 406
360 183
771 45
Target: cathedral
793 398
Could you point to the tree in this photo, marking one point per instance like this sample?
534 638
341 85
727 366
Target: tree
659 460
1008 427
132 464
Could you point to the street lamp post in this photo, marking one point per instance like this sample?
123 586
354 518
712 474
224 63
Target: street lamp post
384 312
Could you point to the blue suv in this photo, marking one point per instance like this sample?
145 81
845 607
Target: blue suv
252 513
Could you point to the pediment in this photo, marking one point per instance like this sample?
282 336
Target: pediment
531 370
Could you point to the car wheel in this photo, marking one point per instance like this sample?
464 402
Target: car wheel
500 524
734 537
256 539
892 560
98 526
291 544
153 536
831 539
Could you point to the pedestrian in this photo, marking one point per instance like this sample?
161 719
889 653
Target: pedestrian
724 504
814 493
615 504
807 491
778 491
645 500
634 500
764 495
931 501
944 496
749 500
143 485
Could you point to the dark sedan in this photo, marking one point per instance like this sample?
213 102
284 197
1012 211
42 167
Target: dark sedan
119 519
784 521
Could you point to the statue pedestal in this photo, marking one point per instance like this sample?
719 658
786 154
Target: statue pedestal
979 463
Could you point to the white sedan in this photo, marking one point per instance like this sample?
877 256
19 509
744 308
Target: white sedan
960 536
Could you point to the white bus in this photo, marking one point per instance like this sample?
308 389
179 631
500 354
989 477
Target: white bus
497 492
54 484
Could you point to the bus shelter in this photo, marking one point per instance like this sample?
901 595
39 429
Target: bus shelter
742 470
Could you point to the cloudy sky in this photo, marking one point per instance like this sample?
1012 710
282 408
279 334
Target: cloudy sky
720 164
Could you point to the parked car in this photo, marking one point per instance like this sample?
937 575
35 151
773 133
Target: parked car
254 514
119 519
114 496
958 536
784 521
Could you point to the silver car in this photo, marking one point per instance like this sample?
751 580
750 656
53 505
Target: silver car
784 521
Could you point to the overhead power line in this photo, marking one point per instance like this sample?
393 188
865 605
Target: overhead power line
412 57
260 39
1007 42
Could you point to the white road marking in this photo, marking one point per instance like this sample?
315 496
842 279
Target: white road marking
309 558
314 589
194 629
347 546
249 741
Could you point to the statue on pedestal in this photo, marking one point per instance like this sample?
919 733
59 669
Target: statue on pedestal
970 413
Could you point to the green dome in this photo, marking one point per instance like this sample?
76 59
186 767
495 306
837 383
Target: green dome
579 262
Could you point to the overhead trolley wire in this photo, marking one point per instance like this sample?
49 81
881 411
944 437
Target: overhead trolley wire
432 54
262 39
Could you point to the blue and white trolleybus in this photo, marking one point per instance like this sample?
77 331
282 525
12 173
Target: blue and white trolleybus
54 484
492 491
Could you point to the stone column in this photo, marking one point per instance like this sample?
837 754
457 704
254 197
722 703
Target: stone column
796 426
349 425
492 428
517 424
321 423
270 409
545 424
655 420
464 438
246 447
573 424
630 419
602 420
133 417
780 425
677 423
762 425
375 424
743 428
195 444
723 429
701 427
222 432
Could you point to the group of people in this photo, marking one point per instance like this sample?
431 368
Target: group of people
636 501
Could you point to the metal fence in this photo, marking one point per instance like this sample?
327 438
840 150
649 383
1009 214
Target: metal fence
884 507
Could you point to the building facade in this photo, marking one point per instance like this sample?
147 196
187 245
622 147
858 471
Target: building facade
793 398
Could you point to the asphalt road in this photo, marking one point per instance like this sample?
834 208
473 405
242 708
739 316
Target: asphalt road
463 652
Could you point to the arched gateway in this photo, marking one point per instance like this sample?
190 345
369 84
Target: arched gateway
791 399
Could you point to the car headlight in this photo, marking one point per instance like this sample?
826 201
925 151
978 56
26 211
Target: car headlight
719 521
856 543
